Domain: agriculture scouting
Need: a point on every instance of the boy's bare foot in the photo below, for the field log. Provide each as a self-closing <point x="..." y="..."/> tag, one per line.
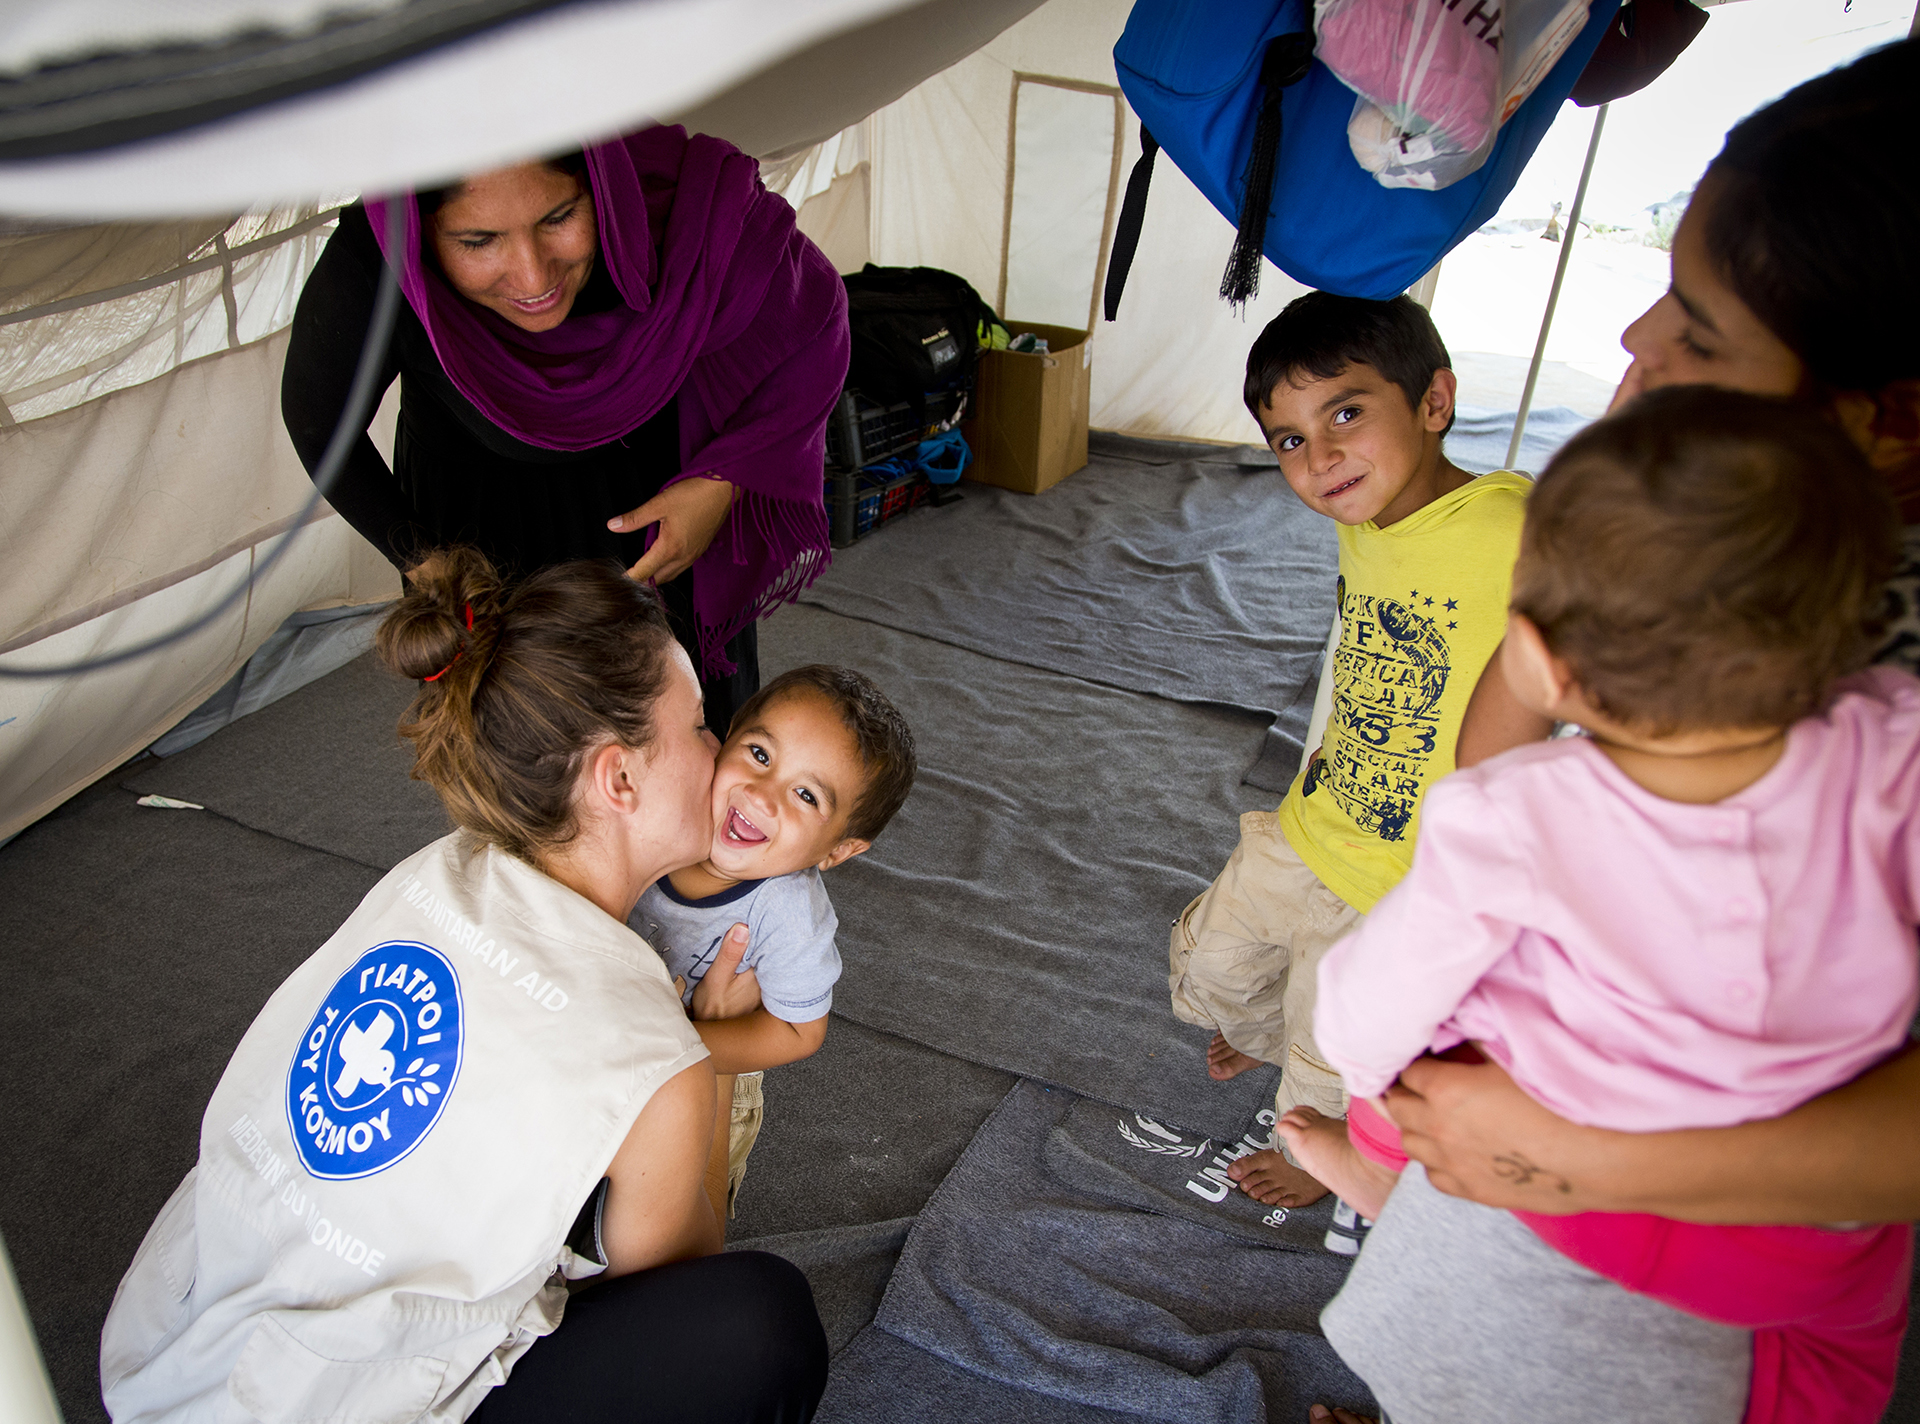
<point x="1321" y="1145"/>
<point x="1272" y="1180"/>
<point x="1224" y="1061"/>
<point x="1320" y="1414"/>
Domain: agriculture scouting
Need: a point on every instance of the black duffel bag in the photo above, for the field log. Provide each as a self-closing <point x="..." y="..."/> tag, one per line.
<point x="915" y="332"/>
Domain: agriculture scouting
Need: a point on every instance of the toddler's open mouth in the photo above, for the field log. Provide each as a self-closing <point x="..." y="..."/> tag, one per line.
<point x="740" y="831"/>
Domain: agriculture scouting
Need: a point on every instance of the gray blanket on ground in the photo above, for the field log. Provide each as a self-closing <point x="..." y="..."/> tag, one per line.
<point x="1186" y="571"/>
<point x="1074" y="1263"/>
<point x="847" y="1266"/>
<point x="1016" y="911"/>
<point x="1015" y="914"/>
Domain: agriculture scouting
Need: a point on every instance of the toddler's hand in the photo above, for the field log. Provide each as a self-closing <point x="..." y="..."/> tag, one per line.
<point x="725" y="992"/>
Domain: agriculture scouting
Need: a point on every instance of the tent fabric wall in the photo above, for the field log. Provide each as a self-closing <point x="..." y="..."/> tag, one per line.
<point x="143" y="465"/>
<point x="120" y="497"/>
<point x="146" y="471"/>
<point x="57" y="737"/>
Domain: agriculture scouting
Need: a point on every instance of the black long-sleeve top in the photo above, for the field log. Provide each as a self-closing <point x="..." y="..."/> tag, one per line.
<point x="457" y="477"/>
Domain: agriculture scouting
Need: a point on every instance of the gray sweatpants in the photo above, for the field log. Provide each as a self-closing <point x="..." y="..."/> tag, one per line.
<point x="1456" y="1313"/>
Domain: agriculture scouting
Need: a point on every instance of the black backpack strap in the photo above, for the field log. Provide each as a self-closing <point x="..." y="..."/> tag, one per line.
<point x="1287" y="61"/>
<point x="1126" y="232"/>
<point x="588" y="1238"/>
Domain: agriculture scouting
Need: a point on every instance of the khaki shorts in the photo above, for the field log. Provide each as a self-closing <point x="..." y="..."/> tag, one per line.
<point x="1245" y="957"/>
<point x="749" y="1112"/>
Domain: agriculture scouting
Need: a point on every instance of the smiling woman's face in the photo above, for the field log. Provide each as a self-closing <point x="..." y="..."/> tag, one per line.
<point x="519" y="241"/>
<point x="677" y="799"/>
<point x="1700" y="333"/>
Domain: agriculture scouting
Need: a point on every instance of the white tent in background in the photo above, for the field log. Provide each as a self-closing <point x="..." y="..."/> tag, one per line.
<point x="168" y="177"/>
<point x="144" y="471"/>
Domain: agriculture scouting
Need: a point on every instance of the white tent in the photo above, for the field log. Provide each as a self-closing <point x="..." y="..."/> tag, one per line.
<point x="160" y="224"/>
<point x="144" y="472"/>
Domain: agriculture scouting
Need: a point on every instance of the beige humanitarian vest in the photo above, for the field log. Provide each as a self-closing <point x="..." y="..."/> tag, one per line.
<point x="389" y="1168"/>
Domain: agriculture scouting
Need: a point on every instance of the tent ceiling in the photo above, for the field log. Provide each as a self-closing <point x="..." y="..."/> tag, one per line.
<point x="319" y="108"/>
<point x="88" y="76"/>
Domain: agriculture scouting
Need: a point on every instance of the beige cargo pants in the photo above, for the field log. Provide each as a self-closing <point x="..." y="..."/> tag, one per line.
<point x="1245" y="957"/>
<point x="743" y="1130"/>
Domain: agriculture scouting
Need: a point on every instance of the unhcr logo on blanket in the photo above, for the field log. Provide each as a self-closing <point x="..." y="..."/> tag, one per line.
<point x="1210" y="1182"/>
<point x="374" y="1070"/>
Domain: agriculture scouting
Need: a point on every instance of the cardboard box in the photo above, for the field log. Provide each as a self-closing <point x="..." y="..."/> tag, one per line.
<point x="1029" y="430"/>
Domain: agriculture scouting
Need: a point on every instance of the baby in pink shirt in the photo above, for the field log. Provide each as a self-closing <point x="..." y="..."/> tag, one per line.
<point x="1701" y="914"/>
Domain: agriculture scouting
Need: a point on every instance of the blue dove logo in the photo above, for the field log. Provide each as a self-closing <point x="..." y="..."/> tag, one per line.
<point x="377" y="1064"/>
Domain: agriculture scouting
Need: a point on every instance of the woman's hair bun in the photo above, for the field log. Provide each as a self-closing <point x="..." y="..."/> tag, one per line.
<point x="451" y="600"/>
<point x="519" y="686"/>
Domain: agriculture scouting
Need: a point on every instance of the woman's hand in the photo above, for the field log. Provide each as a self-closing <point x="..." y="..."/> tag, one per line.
<point x="1852" y="1154"/>
<point x="689" y="513"/>
<point x="726" y="993"/>
<point x="1480" y="1137"/>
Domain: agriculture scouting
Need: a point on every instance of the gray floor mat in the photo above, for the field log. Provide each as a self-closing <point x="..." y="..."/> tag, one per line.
<point x="1016" y="911"/>
<point x="1186" y="571"/>
<point x="881" y="1379"/>
<point x="1016" y="1272"/>
<point x="847" y="1266"/>
<point x="322" y="767"/>
<point x="139" y="945"/>
<point x="863" y="1131"/>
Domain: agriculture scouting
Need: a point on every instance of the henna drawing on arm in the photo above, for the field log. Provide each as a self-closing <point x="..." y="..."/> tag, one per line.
<point x="1515" y="1168"/>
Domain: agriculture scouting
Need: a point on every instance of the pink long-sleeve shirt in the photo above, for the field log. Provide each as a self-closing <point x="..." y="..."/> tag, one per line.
<point x="1642" y="964"/>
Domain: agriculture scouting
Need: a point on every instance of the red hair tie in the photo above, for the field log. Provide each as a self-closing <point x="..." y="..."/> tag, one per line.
<point x="456" y="657"/>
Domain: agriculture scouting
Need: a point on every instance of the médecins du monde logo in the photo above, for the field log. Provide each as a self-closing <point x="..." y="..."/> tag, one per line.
<point x="374" y="1069"/>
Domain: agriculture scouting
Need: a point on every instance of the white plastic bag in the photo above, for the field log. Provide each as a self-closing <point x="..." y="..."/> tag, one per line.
<point x="1437" y="78"/>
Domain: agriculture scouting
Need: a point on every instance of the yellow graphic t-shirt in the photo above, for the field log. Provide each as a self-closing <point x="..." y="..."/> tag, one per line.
<point x="1423" y="604"/>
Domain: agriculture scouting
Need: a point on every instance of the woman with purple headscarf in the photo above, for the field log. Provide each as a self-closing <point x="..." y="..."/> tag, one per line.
<point x="627" y="353"/>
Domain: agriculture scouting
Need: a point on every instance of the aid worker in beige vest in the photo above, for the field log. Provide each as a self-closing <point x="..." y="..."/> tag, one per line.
<point x="455" y="1169"/>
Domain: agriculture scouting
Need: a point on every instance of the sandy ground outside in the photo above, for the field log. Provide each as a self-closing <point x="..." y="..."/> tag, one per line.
<point x="1492" y="291"/>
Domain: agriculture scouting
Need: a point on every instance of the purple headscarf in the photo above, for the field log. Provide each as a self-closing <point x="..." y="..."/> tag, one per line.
<point x="724" y="302"/>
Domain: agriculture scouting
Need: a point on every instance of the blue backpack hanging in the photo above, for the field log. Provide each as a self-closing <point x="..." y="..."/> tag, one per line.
<point x="1200" y="73"/>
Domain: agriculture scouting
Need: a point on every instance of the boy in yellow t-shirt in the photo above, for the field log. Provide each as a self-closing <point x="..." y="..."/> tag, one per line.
<point x="1355" y="398"/>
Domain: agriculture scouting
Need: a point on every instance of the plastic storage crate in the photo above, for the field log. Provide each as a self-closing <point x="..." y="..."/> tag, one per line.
<point x="859" y="502"/>
<point x="859" y="431"/>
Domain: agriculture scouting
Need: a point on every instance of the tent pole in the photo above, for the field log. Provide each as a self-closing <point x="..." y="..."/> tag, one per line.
<point x="1553" y="294"/>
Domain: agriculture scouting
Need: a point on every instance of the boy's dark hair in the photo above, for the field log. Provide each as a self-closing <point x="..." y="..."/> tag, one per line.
<point x="1322" y="335"/>
<point x="1707" y="559"/>
<point x="880" y="733"/>
<point x="1813" y="210"/>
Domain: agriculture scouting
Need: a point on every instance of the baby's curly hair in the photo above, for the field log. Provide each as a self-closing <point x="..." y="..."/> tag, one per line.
<point x="1707" y="559"/>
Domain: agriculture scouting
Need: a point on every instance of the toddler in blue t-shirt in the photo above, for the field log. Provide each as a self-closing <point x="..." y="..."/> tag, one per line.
<point x="815" y="765"/>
